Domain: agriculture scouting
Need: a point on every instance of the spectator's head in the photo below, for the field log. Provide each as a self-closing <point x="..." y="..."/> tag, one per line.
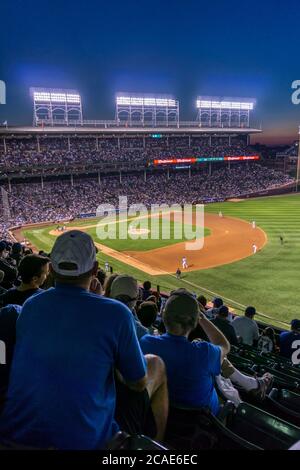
<point x="4" y="249"/>
<point x="217" y="302"/>
<point x="181" y="312"/>
<point x="270" y="333"/>
<point x="101" y="276"/>
<point x="1" y="277"/>
<point x="33" y="270"/>
<point x="295" y="325"/>
<point x="250" y="312"/>
<point x="125" y="289"/>
<point x="16" y="249"/>
<point x="147" y="313"/>
<point x="202" y="301"/>
<point x="108" y="284"/>
<point x="147" y="285"/>
<point x="223" y="311"/>
<point x="73" y="259"/>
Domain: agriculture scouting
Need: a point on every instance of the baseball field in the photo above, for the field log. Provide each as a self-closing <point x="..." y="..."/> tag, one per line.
<point x="225" y="266"/>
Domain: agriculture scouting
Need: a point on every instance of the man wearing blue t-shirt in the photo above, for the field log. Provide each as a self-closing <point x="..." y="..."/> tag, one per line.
<point x="69" y="341"/>
<point x="289" y="341"/>
<point x="191" y="367"/>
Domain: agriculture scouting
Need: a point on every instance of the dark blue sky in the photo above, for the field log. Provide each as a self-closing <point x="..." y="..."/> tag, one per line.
<point x="185" y="48"/>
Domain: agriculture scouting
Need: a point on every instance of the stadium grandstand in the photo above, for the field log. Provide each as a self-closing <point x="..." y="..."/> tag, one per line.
<point x="179" y="369"/>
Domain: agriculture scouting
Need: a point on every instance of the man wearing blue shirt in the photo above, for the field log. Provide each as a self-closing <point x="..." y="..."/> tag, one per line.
<point x="191" y="367"/>
<point x="69" y="341"/>
<point x="289" y="341"/>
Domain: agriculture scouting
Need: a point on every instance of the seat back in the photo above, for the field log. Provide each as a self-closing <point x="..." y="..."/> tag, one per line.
<point x="263" y="429"/>
<point x="196" y="429"/>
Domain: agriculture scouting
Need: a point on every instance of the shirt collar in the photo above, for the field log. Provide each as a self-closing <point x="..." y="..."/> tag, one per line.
<point x="69" y="287"/>
<point x="175" y="337"/>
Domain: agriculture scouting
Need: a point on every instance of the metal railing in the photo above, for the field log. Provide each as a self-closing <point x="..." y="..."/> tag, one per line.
<point x="103" y="124"/>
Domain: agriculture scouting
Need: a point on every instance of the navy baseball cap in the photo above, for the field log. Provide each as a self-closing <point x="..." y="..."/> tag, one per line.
<point x="295" y="324"/>
<point x="223" y="311"/>
<point x="218" y="302"/>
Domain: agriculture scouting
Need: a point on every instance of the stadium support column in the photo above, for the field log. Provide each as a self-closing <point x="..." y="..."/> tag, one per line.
<point x="9" y="185"/>
<point x="99" y="178"/>
<point x="189" y="141"/>
<point x="120" y="176"/>
<point x="4" y="145"/>
<point x="97" y="143"/>
<point x="38" y="143"/>
<point x="190" y="172"/>
<point x="210" y="140"/>
<point x="168" y="174"/>
<point x="72" y="180"/>
<point x="145" y="175"/>
<point x="69" y="143"/>
<point x="42" y="181"/>
<point x="209" y="169"/>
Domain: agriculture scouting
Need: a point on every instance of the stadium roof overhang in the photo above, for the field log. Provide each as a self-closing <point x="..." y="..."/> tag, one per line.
<point x="121" y="131"/>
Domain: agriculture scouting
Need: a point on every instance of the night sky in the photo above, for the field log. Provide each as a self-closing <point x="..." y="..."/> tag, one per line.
<point x="185" y="48"/>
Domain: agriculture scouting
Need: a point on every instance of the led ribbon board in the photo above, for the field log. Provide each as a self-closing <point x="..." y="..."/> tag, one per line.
<point x="176" y="161"/>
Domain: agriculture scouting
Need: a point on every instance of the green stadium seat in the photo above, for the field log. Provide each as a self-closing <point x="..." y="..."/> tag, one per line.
<point x="285" y="404"/>
<point x="195" y="429"/>
<point x="262" y="429"/>
<point x="281" y="380"/>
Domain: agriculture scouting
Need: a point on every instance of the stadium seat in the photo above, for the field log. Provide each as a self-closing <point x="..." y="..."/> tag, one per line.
<point x="281" y="380"/>
<point x="195" y="429"/>
<point x="262" y="429"/>
<point x="285" y="404"/>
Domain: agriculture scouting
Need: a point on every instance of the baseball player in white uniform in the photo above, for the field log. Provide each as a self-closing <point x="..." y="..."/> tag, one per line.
<point x="184" y="263"/>
<point x="253" y="224"/>
<point x="254" y="248"/>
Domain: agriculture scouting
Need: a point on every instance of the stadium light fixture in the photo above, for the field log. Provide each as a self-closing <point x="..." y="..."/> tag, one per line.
<point x="51" y="104"/>
<point x="145" y="101"/>
<point x="214" y="103"/>
<point x="56" y="96"/>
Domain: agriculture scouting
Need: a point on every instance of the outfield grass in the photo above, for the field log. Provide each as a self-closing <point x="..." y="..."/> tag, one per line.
<point x="269" y="280"/>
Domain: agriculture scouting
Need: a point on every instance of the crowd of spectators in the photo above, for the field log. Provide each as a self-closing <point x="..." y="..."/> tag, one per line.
<point x="62" y="317"/>
<point x="30" y="202"/>
<point x="26" y="154"/>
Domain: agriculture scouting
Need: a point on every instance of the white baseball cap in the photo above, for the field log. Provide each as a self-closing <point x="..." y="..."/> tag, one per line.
<point x="74" y="247"/>
<point x="124" y="285"/>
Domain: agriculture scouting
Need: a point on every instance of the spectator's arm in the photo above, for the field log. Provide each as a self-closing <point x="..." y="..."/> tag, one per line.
<point x="137" y="386"/>
<point x="130" y="361"/>
<point x="215" y="336"/>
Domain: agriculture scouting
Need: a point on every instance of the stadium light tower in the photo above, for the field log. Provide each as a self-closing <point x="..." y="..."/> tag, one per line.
<point x="56" y="107"/>
<point x="224" y="112"/>
<point x="152" y="110"/>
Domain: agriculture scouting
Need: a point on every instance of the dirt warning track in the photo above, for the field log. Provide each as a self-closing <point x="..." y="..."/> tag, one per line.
<point x="230" y="240"/>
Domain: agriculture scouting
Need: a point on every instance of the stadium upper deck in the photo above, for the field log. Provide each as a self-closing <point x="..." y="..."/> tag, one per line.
<point x="110" y="128"/>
